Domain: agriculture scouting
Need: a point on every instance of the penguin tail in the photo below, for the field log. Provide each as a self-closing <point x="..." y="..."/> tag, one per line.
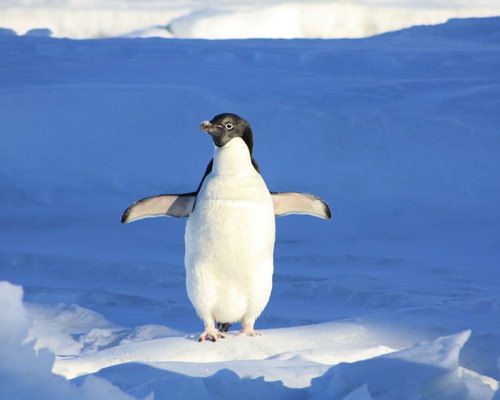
<point x="223" y="326"/>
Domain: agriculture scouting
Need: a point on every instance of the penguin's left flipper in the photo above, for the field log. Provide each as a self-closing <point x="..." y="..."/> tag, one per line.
<point x="171" y="205"/>
<point x="286" y="203"/>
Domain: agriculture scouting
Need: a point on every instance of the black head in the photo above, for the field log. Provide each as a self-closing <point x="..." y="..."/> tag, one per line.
<point x="224" y="127"/>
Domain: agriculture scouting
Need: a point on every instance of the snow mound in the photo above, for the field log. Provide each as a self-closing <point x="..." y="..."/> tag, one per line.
<point x="74" y="330"/>
<point x="25" y="374"/>
<point x="331" y="360"/>
<point x="233" y="19"/>
<point x="317" y="19"/>
<point x="85" y="22"/>
<point x="426" y="371"/>
<point x="304" y="360"/>
<point x="309" y="346"/>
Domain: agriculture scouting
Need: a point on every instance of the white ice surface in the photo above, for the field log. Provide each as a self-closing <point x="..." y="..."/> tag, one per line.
<point x="233" y="19"/>
<point x="319" y="361"/>
<point x="399" y="133"/>
<point x="26" y="374"/>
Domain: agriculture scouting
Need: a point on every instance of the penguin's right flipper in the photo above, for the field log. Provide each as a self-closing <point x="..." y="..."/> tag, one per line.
<point x="287" y="203"/>
<point x="170" y="205"/>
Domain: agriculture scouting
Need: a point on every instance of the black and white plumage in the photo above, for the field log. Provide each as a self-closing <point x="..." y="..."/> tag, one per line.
<point x="230" y="231"/>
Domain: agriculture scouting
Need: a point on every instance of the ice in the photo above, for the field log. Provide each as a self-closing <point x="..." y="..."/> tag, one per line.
<point x="396" y="297"/>
<point x="425" y="371"/>
<point x="26" y="374"/>
<point x="233" y="19"/>
<point x="315" y="19"/>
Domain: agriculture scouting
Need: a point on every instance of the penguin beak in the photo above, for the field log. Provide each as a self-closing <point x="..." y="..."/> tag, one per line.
<point x="205" y="126"/>
<point x="219" y="136"/>
<point x="208" y="127"/>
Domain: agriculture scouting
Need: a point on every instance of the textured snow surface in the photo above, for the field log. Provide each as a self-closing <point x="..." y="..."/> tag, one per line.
<point x="397" y="297"/>
<point x="232" y="19"/>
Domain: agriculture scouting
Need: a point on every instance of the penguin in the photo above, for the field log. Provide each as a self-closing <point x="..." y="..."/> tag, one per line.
<point x="230" y="230"/>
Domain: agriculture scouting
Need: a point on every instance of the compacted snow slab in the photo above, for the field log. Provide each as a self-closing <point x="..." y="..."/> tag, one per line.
<point x="327" y="361"/>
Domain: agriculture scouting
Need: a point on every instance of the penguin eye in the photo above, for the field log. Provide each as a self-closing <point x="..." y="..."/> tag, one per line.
<point x="229" y="126"/>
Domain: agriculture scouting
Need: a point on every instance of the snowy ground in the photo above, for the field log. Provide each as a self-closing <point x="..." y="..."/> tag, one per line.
<point x="224" y="19"/>
<point x="398" y="297"/>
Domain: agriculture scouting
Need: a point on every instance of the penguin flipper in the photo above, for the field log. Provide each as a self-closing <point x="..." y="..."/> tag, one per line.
<point x="287" y="203"/>
<point x="170" y="205"/>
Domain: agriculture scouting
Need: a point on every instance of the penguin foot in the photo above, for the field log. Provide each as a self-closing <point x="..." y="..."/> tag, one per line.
<point x="248" y="330"/>
<point x="210" y="335"/>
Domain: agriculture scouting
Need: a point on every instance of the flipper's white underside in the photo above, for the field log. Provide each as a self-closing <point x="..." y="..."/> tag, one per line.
<point x="171" y="205"/>
<point x="181" y="205"/>
<point x="287" y="203"/>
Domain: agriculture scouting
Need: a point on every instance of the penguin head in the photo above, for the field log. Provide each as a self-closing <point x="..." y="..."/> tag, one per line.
<point x="225" y="127"/>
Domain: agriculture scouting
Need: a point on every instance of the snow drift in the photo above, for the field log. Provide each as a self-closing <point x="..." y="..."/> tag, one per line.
<point x="291" y="358"/>
<point x="316" y="19"/>
<point x="25" y="374"/>
<point x="233" y="19"/>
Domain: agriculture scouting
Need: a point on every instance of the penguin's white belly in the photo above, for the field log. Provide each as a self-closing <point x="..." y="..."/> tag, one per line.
<point x="229" y="248"/>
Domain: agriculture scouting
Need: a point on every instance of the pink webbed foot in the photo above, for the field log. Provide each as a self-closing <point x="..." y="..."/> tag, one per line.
<point x="248" y="330"/>
<point x="250" y="333"/>
<point x="210" y="335"/>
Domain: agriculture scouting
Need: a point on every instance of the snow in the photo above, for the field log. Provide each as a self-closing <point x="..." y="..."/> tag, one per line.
<point x="396" y="297"/>
<point x="25" y="374"/>
<point x="233" y="19"/>
<point x="315" y="19"/>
